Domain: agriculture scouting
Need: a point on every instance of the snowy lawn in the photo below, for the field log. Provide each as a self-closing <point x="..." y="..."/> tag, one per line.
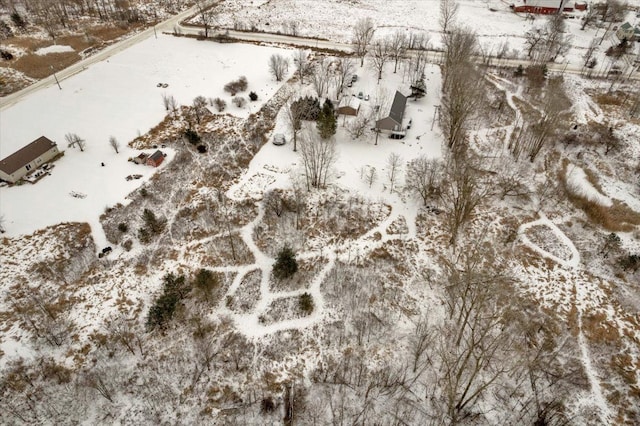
<point x="117" y="98"/>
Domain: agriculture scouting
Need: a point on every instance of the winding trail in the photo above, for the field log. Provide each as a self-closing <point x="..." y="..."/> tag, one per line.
<point x="251" y="323"/>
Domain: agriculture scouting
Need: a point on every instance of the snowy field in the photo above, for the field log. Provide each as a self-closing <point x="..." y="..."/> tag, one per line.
<point x="117" y="98"/>
<point x="492" y="20"/>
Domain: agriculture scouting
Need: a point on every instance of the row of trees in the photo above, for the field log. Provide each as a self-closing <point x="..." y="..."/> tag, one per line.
<point x="57" y="15"/>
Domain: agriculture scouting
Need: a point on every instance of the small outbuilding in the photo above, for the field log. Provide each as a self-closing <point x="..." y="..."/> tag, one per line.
<point x="580" y="6"/>
<point x="155" y="159"/>
<point x="349" y="105"/>
<point x="25" y="160"/>
<point x="141" y="159"/>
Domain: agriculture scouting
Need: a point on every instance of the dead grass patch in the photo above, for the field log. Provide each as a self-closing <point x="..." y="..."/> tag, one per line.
<point x="247" y="294"/>
<point x="39" y="66"/>
<point x="307" y="270"/>
<point x="283" y="309"/>
<point x="606" y="99"/>
<point x="617" y="218"/>
<point x="597" y="329"/>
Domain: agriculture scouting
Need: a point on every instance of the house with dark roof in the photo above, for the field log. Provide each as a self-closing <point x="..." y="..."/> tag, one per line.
<point x="155" y="159"/>
<point x="22" y="162"/>
<point x="393" y="122"/>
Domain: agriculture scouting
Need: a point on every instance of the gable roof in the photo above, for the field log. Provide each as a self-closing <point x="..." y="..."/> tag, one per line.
<point x="625" y="26"/>
<point x="349" y="101"/>
<point x="25" y="155"/>
<point x="156" y="156"/>
<point x="547" y="3"/>
<point x="397" y="108"/>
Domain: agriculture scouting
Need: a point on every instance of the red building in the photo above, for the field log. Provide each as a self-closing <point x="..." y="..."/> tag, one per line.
<point x="155" y="159"/>
<point x="543" y="7"/>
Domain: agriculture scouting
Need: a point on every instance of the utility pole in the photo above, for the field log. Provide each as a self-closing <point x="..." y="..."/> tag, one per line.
<point x="436" y="110"/>
<point x="55" y="77"/>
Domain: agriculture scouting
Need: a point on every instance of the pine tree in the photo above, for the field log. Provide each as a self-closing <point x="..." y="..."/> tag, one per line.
<point x="286" y="264"/>
<point x="327" y="123"/>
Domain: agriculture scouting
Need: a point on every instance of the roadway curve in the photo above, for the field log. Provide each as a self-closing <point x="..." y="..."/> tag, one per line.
<point x="107" y="52"/>
<point x="176" y="21"/>
<point x="433" y="55"/>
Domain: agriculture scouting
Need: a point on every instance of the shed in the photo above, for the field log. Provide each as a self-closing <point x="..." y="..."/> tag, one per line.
<point x="393" y="122"/>
<point x="155" y="159"/>
<point x="141" y="159"/>
<point x="28" y="158"/>
<point x="580" y="6"/>
<point x="349" y="105"/>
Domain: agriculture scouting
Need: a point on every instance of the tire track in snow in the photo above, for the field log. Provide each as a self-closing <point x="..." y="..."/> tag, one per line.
<point x="572" y="262"/>
<point x="596" y="397"/>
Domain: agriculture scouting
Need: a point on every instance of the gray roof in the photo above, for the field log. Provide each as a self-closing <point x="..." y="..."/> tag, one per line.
<point x="25" y="155"/>
<point x="397" y="108"/>
<point x="156" y="155"/>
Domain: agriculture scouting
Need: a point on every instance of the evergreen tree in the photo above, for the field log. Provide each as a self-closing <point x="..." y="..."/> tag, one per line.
<point x="327" y="123"/>
<point x="286" y="264"/>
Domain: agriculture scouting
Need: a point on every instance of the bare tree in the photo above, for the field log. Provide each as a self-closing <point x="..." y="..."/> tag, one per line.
<point x="200" y="107"/>
<point x="359" y="126"/>
<point x="379" y="57"/>
<point x="394" y="164"/>
<point x="460" y="100"/>
<point x="301" y="61"/>
<point x="320" y="75"/>
<point x="318" y="156"/>
<point x="278" y="66"/>
<point x="371" y="176"/>
<point x="557" y="42"/>
<point x="462" y="191"/>
<point x="273" y="201"/>
<point x="74" y="140"/>
<point x="362" y="34"/>
<point x="590" y="17"/>
<point x="460" y="45"/>
<point x="344" y="70"/>
<point x="97" y="379"/>
<point x="421" y="341"/>
<point x="424" y="177"/>
<point x="206" y="14"/>
<point x="534" y="42"/>
<point x="448" y="14"/>
<point x="173" y="105"/>
<point x="588" y="55"/>
<point x="397" y="46"/>
<point x="418" y="41"/>
<point x="613" y="11"/>
<point x="113" y="142"/>
<point x="166" y="101"/>
<point x="474" y="341"/>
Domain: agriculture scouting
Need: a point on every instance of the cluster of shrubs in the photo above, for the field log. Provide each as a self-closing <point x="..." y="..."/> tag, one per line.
<point x="220" y="104"/>
<point x="236" y="86"/>
<point x="152" y="226"/>
<point x="175" y="289"/>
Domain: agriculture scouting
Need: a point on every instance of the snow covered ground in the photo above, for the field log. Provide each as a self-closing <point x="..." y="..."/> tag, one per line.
<point x="117" y="98"/>
<point x="492" y="20"/>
